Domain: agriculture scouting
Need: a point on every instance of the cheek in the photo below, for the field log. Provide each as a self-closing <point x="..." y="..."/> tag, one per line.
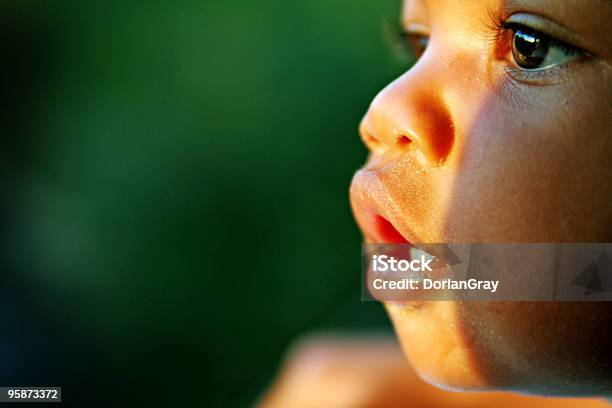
<point x="529" y="171"/>
<point x="509" y="355"/>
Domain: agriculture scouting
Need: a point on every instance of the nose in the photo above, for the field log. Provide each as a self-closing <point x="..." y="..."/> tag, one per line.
<point x="410" y="114"/>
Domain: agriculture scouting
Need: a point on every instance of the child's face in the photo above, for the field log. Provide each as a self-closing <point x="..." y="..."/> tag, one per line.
<point x="501" y="132"/>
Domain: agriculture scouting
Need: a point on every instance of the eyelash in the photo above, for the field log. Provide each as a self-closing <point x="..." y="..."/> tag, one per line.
<point x="402" y="42"/>
<point x="503" y="29"/>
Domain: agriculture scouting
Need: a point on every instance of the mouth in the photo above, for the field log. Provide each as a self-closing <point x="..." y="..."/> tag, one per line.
<point x="383" y="218"/>
<point x="387" y="232"/>
<point x="377" y="213"/>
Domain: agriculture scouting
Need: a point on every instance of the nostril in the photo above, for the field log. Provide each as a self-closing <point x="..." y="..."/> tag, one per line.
<point x="403" y="141"/>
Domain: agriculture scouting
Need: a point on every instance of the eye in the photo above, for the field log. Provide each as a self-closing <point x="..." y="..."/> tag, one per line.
<point x="410" y="44"/>
<point x="417" y="42"/>
<point x="533" y="50"/>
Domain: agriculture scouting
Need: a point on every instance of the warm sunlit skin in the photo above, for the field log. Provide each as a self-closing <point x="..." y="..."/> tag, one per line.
<point x="368" y="371"/>
<point x="467" y="146"/>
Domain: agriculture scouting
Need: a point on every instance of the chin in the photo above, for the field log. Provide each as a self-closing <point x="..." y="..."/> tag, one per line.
<point x="436" y="345"/>
<point x="514" y="346"/>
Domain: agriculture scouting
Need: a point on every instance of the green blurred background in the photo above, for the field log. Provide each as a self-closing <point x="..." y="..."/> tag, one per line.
<point x="175" y="207"/>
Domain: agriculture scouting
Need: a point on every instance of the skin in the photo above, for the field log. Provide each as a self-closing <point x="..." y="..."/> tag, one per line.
<point x="465" y="147"/>
<point x="356" y="371"/>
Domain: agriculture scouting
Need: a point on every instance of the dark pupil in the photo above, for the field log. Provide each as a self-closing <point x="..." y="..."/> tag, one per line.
<point x="529" y="48"/>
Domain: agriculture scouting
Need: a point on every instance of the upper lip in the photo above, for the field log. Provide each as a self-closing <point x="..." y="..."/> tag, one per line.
<point x="377" y="211"/>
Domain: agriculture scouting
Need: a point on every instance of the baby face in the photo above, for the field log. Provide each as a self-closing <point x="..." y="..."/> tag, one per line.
<point x="501" y="132"/>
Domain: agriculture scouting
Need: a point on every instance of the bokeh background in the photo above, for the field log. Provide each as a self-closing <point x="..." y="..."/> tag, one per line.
<point x="174" y="190"/>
